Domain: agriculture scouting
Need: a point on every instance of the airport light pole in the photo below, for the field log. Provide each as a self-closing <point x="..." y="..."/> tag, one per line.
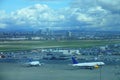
<point x="100" y="72"/>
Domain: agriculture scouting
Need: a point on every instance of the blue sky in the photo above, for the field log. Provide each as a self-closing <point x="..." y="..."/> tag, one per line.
<point x="12" y="5"/>
<point x="60" y="14"/>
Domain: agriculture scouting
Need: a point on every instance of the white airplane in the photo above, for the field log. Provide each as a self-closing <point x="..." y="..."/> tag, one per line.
<point x="33" y="63"/>
<point x="87" y="65"/>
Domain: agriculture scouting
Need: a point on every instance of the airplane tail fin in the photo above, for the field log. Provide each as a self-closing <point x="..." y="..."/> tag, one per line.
<point x="74" y="60"/>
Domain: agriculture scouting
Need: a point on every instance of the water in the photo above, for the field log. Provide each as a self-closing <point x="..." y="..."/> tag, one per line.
<point x="55" y="71"/>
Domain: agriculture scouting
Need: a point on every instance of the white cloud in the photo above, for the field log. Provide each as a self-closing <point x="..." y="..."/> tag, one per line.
<point x="97" y="9"/>
<point x="83" y="17"/>
<point x="92" y="15"/>
<point x="2" y="25"/>
<point x="36" y="16"/>
<point x="111" y="5"/>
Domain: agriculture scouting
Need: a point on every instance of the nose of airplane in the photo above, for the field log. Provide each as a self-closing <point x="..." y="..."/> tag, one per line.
<point x="96" y="66"/>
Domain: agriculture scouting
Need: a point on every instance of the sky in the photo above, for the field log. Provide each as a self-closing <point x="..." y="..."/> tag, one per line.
<point x="60" y="14"/>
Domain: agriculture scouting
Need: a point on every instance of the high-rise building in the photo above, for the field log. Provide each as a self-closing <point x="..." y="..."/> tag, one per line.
<point x="69" y="34"/>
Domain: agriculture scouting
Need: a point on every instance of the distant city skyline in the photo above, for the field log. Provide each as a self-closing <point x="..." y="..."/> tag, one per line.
<point x="103" y="15"/>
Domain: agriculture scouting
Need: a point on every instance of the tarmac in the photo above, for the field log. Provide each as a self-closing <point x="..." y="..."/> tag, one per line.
<point x="56" y="71"/>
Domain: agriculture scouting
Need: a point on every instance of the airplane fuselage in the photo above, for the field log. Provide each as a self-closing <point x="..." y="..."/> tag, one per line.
<point x="89" y="65"/>
<point x="34" y="63"/>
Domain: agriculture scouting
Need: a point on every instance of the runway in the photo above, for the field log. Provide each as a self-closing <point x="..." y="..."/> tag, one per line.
<point x="54" y="71"/>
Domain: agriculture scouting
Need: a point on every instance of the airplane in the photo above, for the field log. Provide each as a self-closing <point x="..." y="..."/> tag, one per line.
<point x="33" y="63"/>
<point x="87" y="65"/>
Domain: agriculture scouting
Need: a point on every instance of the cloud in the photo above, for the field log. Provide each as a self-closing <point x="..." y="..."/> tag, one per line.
<point x="103" y="14"/>
<point x="3" y="18"/>
<point x="37" y="16"/>
<point x="90" y="14"/>
<point x="2" y="25"/>
<point x="110" y="5"/>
